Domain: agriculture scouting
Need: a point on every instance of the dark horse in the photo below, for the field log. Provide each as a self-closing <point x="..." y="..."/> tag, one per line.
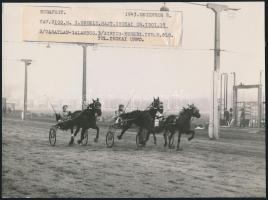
<point x="67" y="126"/>
<point x="143" y="119"/>
<point x="180" y="123"/>
<point x="83" y="119"/>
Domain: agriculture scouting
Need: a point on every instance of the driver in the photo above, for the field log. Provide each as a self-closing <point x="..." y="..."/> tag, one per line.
<point x="64" y="114"/>
<point x="118" y="113"/>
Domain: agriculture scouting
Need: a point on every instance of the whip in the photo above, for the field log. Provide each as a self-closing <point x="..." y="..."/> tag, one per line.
<point x="51" y="104"/>
<point x="129" y="101"/>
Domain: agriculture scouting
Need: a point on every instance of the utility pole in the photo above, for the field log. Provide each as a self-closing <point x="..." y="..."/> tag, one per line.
<point x="225" y="85"/>
<point x="27" y="62"/>
<point x="164" y="8"/>
<point x="84" y="80"/>
<point x="260" y="100"/>
<point x="214" y="108"/>
<point x="234" y="82"/>
<point x="261" y="76"/>
<point x="84" y="76"/>
<point x="84" y="84"/>
<point x="226" y="91"/>
<point x="234" y="74"/>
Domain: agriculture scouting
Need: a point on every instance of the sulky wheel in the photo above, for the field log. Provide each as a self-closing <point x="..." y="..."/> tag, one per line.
<point x="110" y="139"/>
<point x="52" y="136"/>
<point x="85" y="139"/>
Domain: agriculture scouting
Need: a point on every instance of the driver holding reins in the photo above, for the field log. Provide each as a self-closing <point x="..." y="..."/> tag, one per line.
<point x="118" y="112"/>
<point x="64" y="114"/>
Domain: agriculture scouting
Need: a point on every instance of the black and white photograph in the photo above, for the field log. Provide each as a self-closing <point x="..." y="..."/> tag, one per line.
<point x="133" y="100"/>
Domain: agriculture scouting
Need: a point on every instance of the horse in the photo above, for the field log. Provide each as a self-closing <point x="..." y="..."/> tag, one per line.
<point x="143" y="119"/>
<point x="66" y="127"/>
<point x="84" y="119"/>
<point x="180" y="123"/>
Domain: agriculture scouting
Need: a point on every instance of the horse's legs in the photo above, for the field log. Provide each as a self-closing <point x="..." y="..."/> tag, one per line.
<point x="179" y="139"/>
<point x="192" y="136"/>
<point x="148" y="136"/>
<point x="172" y="132"/>
<point x="139" y="132"/>
<point x="154" y="137"/>
<point x="165" y="137"/>
<point x="97" y="135"/>
<point x="77" y="130"/>
<point x="82" y="135"/>
<point x="73" y="135"/>
<point x="127" y="126"/>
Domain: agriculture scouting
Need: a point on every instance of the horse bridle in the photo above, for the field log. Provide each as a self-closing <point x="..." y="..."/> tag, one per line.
<point x="98" y="107"/>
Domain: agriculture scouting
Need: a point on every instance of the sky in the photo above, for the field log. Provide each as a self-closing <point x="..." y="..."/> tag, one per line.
<point x="119" y="72"/>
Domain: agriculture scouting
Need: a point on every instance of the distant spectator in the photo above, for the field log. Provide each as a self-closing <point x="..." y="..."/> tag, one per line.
<point x="9" y="110"/>
<point x="226" y="116"/>
<point x="4" y="109"/>
<point x="242" y="118"/>
<point x="230" y="115"/>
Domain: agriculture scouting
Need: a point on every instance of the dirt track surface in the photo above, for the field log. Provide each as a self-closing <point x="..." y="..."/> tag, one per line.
<point x="233" y="166"/>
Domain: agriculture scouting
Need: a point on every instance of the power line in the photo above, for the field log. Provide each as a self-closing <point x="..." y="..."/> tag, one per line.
<point x="15" y="60"/>
<point x="199" y="4"/>
<point x="10" y="59"/>
<point x="126" y="47"/>
<point x="108" y="46"/>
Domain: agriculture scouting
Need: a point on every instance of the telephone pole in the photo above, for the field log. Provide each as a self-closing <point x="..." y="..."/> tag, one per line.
<point x="27" y="62"/>
<point x="84" y="80"/>
<point x="234" y="82"/>
<point x="84" y="84"/>
<point x="213" y="130"/>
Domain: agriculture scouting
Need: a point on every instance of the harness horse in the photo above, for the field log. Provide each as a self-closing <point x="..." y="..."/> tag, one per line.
<point x="84" y="120"/>
<point x="144" y="120"/>
<point x="180" y="123"/>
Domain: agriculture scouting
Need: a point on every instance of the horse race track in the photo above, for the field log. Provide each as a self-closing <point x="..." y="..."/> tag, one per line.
<point x="233" y="166"/>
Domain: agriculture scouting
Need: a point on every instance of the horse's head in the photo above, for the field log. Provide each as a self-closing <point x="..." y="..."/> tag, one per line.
<point x="157" y="105"/>
<point x="95" y="106"/>
<point x="194" y="111"/>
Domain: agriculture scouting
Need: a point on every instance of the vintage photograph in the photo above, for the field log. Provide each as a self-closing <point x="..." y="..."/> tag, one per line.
<point x="133" y="100"/>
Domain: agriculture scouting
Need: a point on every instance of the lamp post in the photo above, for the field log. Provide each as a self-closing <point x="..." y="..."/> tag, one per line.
<point x="214" y="108"/>
<point x="224" y="92"/>
<point x="234" y="74"/>
<point x="260" y="100"/>
<point x="84" y="80"/>
<point x="27" y="62"/>
<point x="164" y="8"/>
<point x="234" y="82"/>
<point x="260" y="76"/>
